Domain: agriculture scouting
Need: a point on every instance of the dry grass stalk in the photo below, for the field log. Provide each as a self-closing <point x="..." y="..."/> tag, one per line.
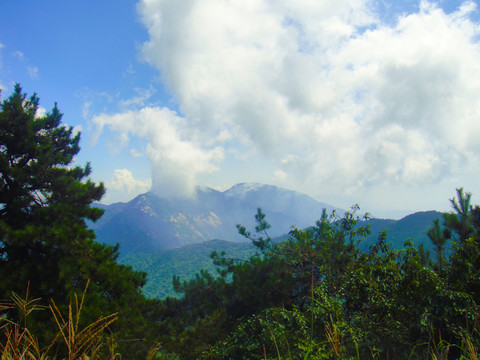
<point x="152" y="352"/>
<point x="334" y="338"/>
<point x="19" y="343"/>
<point x="79" y="342"/>
<point x="469" y="350"/>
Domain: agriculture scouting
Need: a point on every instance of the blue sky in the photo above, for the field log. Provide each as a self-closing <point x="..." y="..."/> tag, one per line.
<point x="369" y="102"/>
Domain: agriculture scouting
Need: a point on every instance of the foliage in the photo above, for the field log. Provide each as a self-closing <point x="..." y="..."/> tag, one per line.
<point x="187" y="260"/>
<point x="45" y="244"/>
<point x="317" y="296"/>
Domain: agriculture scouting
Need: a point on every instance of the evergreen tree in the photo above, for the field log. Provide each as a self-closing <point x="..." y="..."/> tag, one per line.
<point x="465" y="228"/>
<point x="460" y="220"/>
<point x="45" y="243"/>
<point x="43" y="200"/>
<point x="439" y="237"/>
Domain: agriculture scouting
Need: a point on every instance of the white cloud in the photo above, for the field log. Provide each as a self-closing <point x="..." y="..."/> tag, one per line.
<point x="124" y="181"/>
<point x="90" y="97"/>
<point x="140" y="99"/>
<point x="175" y="156"/>
<point x="326" y="91"/>
<point x="86" y="109"/>
<point x="78" y="129"/>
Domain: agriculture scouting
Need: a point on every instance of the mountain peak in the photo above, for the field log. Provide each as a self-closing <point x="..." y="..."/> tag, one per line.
<point x="241" y="189"/>
<point x="151" y="222"/>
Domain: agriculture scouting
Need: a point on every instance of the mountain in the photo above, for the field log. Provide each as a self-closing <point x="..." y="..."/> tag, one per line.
<point x="150" y="223"/>
<point x="186" y="261"/>
<point x="413" y="226"/>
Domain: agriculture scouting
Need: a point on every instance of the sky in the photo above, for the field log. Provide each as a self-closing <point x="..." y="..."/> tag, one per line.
<point x="375" y="103"/>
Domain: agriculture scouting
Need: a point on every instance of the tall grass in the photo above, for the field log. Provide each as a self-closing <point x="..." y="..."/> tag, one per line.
<point x="80" y="343"/>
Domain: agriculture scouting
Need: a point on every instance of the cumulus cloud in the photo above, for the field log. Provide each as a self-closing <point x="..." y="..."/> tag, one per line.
<point x="124" y="181"/>
<point x="175" y="156"/>
<point x="327" y="91"/>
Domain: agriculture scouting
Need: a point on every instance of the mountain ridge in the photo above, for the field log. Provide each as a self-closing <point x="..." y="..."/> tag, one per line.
<point x="148" y="222"/>
<point x="187" y="260"/>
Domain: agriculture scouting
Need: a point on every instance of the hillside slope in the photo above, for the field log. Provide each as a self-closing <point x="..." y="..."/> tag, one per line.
<point x="186" y="261"/>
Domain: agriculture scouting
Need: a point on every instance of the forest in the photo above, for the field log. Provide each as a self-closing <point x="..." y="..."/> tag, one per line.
<point x="316" y="295"/>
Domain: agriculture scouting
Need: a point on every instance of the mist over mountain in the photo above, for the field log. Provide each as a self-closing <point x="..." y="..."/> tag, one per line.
<point x="149" y="222"/>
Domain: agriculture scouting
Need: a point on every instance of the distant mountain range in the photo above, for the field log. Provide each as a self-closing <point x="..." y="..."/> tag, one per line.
<point x="189" y="259"/>
<point x="167" y="237"/>
<point x="149" y="222"/>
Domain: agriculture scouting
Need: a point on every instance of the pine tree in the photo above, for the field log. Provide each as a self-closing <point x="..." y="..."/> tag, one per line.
<point x="44" y="201"/>
<point x="439" y="237"/>
<point x="45" y="243"/>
